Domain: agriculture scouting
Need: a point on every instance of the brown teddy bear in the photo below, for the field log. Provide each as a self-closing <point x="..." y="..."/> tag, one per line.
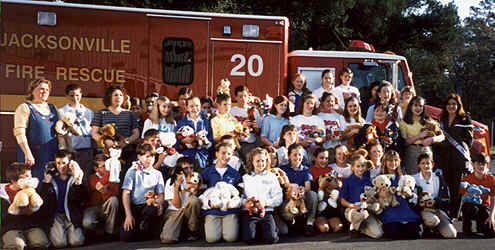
<point x="281" y="176"/>
<point x="295" y="195"/>
<point x="150" y="198"/>
<point x="328" y="190"/>
<point x="64" y="128"/>
<point x="386" y="193"/>
<point x="26" y="197"/>
<point x="108" y="132"/>
<point x="432" y="127"/>
<point x="254" y="207"/>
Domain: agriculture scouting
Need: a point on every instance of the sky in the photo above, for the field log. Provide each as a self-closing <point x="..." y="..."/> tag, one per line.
<point x="463" y="6"/>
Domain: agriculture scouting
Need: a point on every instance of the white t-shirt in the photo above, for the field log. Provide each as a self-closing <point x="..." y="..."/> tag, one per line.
<point x="319" y="93"/>
<point x="349" y="90"/>
<point x="221" y="171"/>
<point x="333" y="127"/>
<point x="241" y="114"/>
<point x="342" y="172"/>
<point x="169" y="195"/>
<point x="306" y="124"/>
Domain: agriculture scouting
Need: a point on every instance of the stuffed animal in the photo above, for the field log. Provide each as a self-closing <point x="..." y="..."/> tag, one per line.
<point x="108" y="132"/>
<point x="186" y="132"/>
<point x="356" y="216"/>
<point x="254" y="207"/>
<point x="432" y="127"/>
<point x="224" y="87"/>
<point x="202" y="138"/>
<point x="113" y="165"/>
<point x="369" y="200"/>
<point x="223" y="196"/>
<point x="167" y="141"/>
<point x="328" y="190"/>
<point x="405" y="187"/>
<point x="26" y="197"/>
<point x="318" y="134"/>
<point x="474" y="193"/>
<point x="64" y="128"/>
<point x="149" y="211"/>
<point x="150" y="198"/>
<point x="192" y="183"/>
<point x="386" y="193"/>
<point x="295" y="195"/>
<point x="350" y="141"/>
<point x="427" y="202"/>
<point x="281" y="176"/>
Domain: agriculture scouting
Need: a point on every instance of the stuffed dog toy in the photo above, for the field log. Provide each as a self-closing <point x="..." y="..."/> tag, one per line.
<point x="295" y="195"/>
<point x="186" y="132"/>
<point x="281" y="176"/>
<point x="64" y="128"/>
<point x="328" y="190"/>
<point x="192" y="183"/>
<point x="223" y="196"/>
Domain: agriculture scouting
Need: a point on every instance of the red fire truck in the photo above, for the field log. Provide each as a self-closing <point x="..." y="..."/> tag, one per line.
<point x="149" y="50"/>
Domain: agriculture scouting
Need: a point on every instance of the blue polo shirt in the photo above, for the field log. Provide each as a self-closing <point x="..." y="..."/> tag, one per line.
<point x="272" y="126"/>
<point x="353" y="186"/>
<point x="299" y="176"/>
<point x="140" y="181"/>
<point x="211" y="176"/>
<point x="402" y="213"/>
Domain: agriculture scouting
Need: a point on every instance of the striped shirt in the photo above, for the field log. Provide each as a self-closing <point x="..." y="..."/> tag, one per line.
<point x="125" y="122"/>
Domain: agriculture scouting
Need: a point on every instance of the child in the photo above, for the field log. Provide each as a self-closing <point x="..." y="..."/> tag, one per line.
<point x="208" y="110"/>
<point x="398" y="222"/>
<point x="417" y="142"/>
<point x="139" y="179"/>
<point x="344" y="91"/>
<point x="320" y="156"/>
<point x="483" y="213"/>
<point x="406" y="94"/>
<point x="434" y="185"/>
<point x="288" y="136"/>
<point x="301" y="175"/>
<point x="327" y="85"/>
<point x="375" y="150"/>
<point x="223" y="123"/>
<point x="103" y="202"/>
<point x="371" y="97"/>
<point x="235" y="160"/>
<point x="161" y="117"/>
<point x="352" y="120"/>
<point x="221" y="224"/>
<point x="80" y="144"/>
<point x="70" y="195"/>
<point x="332" y="120"/>
<point x="182" y="206"/>
<point x="387" y="130"/>
<point x="184" y="94"/>
<point x="387" y="96"/>
<point x="24" y="230"/>
<point x="298" y="91"/>
<point x="264" y="187"/>
<point x="307" y="122"/>
<point x="194" y="120"/>
<point x="341" y="166"/>
<point x="248" y="116"/>
<point x="350" y="192"/>
<point x="273" y="123"/>
<point x="272" y="152"/>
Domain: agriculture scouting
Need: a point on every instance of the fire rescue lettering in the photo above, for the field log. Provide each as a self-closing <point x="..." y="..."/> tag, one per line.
<point x="64" y="73"/>
<point x="87" y="44"/>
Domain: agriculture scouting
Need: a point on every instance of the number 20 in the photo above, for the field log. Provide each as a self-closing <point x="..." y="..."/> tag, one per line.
<point x="242" y="61"/>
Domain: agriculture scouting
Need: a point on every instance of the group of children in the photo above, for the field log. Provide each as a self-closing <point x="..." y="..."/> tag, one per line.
<point x="307" y="136"/>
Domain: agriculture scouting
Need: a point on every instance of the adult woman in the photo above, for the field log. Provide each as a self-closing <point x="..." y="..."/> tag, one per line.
<point x="34" y="128"/>
<point x="453" y="153"/>
<point x="125" y="121"/>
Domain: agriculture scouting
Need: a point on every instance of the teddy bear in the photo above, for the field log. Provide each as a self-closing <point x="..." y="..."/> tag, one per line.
<point x="254" y="207"/>
<point x="350" y="142"/>
<point x="224" y="87"/>
<point x="26" y="197"/>
<point x="317" y="134"/>
<point x="186" y="132"/>
<point x="76" y="172"/>
<point x="427" y="202"/>
<point x="108" y="132"/>
<point x="474" y="192"/>
<point x="167" y="141"/>
<point x="295" y="195"/>
<point x="64" y="128"/>
<point x="432" y="127"/>
<point x="192" y="183"/>
<point x="328" y="187"/>
<point x="113" y="165"/>
<point x="369" y="200"/>
<point x="281" y="176"/>
<point x="223" y="196"/>
<point x="405" y="187"/>
<point x="150" y="210"/>
<point x="386" y="193"/>
<point x="202" y="138"/>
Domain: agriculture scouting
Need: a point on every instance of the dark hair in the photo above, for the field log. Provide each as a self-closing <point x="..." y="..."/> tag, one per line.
<point x="372" y="144"/>
<point x="185" y="160"/>
<point x="15" y="170"/>
<point x="192" y="98"/>
<point x="250" y="158"/>
<point x="381" y="106"/>
<point x="277" y="100"/>
<point x="325" y="95"/>
<point x="347" y="115"/>
<point x="222" y="97"/>
<point x="303" y="100"/>
<point x="318" y="150"/>
<point x="326" y="71"/>
<point x="179" y="167"/>
<point x="62" y="153"/>
<point x="135" y="101"/>
<point x="444" y="115"/>
<point x="151" y="133"/>
<point x="272" y="150"/>
<point x="99" y="157"/>
<point x="221" y="145"/>
<point x="227" y="137"/>
<point x="144" y="148"/>
<point x="305" y="89"/>
<point x="480" y="157"/>
<point x="72" y="87"/>
<point x="408" y="117"/>
<point x="185" y="91"/>
<point x="423" y="156"/>
<point x="369" y="91"/>
<point x="293" y="147"/>
<point x="206" y="99"/>
<point x="285" y="129"/>
<point x="345" y="70"/>
<point x="107" y="98"/>
<point x="152" y="95"/>
<point x="240" y="88"/>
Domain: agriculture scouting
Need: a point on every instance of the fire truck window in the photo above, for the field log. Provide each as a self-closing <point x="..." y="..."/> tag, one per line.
<point x="365" y="75"/>
<point x="178" y="61"/>
<point x="401" y="82"/>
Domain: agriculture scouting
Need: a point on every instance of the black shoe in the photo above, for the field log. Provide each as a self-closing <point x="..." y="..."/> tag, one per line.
<point x="309" y="230"/>
<point x="354" y="234"/>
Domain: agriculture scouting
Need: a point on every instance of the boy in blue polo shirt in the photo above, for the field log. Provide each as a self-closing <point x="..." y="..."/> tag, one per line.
<point x="300" y="175"/>
<point x="139" y="179"/>
<point x="221" y="224"/>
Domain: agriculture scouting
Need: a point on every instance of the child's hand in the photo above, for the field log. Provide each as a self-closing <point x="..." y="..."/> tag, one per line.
<point x="427" y="142"/>
<point x="356" y="206"/>
<point x="128" y="223"/>
<point x="48" y="178"/>
<point x="423" y="134"/>
<point x="490" y="222"/>
<point x="179" y="180"/>
<point x="98" y="186"/>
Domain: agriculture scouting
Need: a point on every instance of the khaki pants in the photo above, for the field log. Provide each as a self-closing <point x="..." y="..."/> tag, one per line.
<point x="63" y="231"/>
<point x="174" y="218"/>
<point x="107" y="211"/>
<point x="440" y="220"/>
<point x="370" y="227"/>
<point x="218" y="227"/>
<point x="33" y="238"/>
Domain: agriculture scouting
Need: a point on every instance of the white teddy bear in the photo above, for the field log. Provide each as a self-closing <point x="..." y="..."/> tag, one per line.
<point x="113" y="165"/>
<point x="405" y="187"/>
<point x="223" y="196"/>
<point x="168" y="140"/>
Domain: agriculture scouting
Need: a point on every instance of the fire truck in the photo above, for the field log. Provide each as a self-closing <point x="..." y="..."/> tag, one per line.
<point x="150" y="50"/>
